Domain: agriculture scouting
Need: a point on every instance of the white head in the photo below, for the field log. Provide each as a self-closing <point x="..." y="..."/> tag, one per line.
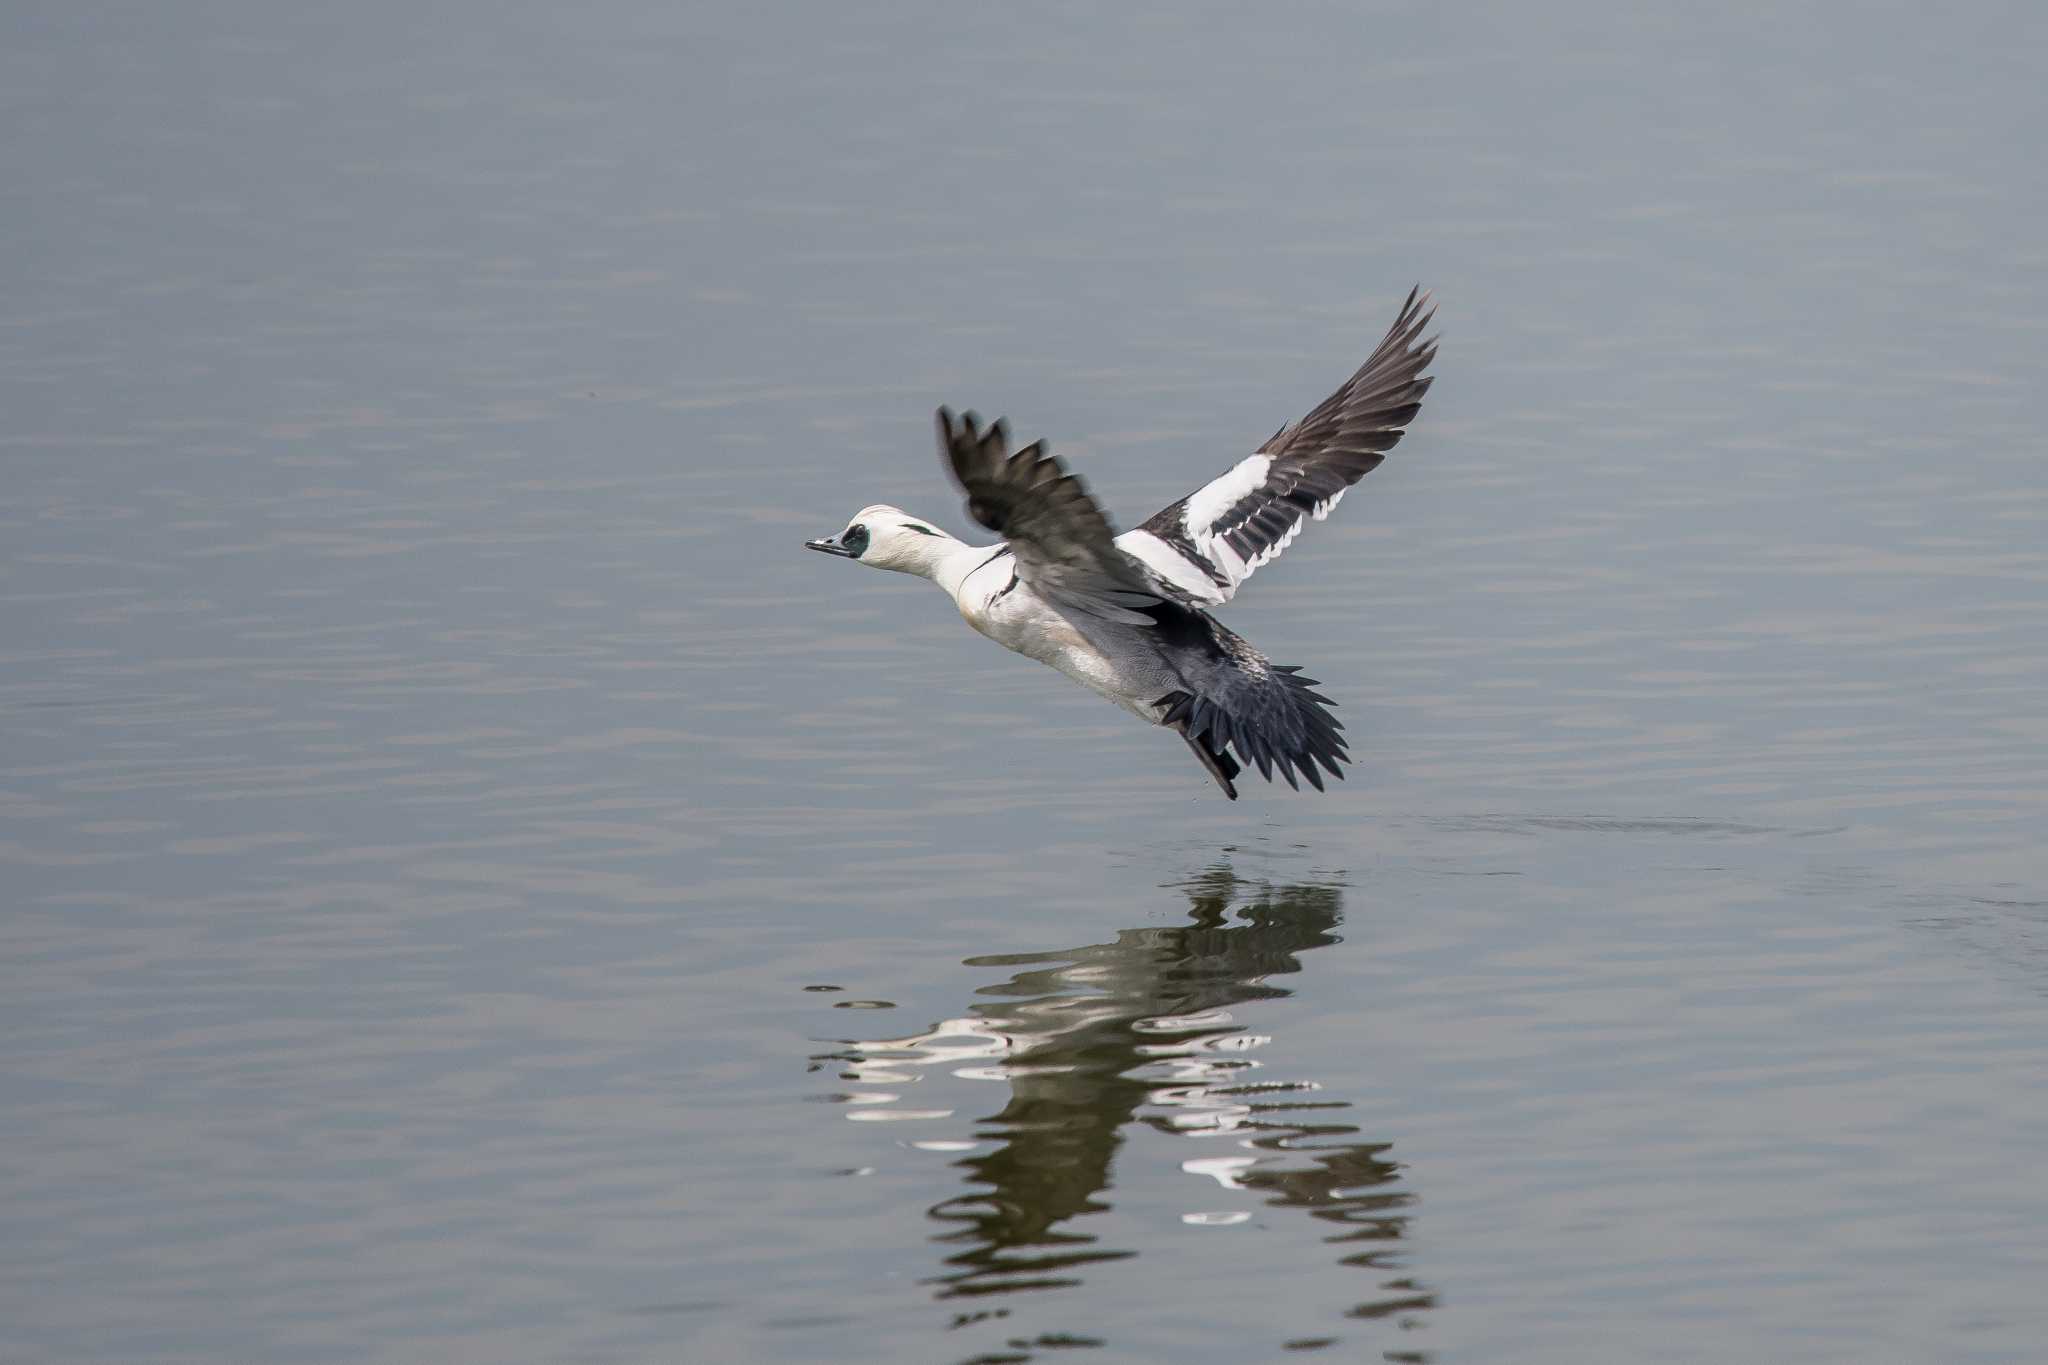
<point x="885" y="537"/>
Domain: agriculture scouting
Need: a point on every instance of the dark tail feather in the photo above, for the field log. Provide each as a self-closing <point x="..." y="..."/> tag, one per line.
<point x="1278" y="722"/>
<point x="1188" y="717"/>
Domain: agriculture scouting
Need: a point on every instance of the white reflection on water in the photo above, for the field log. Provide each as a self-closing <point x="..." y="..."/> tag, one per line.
<point x="1095" y="1040"/>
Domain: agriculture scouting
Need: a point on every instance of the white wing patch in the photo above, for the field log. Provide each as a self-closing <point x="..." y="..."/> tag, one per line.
<point x="1172" y="566"/>
<point x="1218" y="550"/>
<point x="1209" y="502"/>
<point x="1203" y="529"/>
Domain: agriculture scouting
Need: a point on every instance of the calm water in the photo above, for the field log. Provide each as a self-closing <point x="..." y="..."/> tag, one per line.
<point x="475" y="890"/>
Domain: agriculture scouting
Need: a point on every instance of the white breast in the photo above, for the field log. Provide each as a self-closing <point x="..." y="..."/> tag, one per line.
<point x="1006" y="610"/>
<point x="999" y="605"/>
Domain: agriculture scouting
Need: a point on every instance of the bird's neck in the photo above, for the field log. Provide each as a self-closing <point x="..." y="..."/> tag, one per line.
<point x="951" y="561"/>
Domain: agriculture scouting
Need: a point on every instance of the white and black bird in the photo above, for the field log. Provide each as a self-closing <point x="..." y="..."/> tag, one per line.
<point x="1126" y="615"/>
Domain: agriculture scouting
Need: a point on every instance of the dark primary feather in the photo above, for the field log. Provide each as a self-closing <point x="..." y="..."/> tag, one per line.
<point x="1365" y="416"/>
<point x="1317" y="458"/>
<point x="1065" y="546"/>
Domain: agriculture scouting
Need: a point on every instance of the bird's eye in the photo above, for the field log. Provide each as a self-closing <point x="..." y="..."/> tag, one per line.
<point x="855" y="540"/>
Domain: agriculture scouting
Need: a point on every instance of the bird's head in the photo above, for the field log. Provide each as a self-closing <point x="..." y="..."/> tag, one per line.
<point x="885" y="537"/>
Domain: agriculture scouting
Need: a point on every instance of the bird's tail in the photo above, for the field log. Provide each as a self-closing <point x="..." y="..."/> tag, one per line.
<point x="1210" y="750"/>
<point x="1268" y="712"/>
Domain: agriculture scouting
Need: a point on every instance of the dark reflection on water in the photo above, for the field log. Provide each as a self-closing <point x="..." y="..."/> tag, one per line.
<point x="1139" y="1031"/>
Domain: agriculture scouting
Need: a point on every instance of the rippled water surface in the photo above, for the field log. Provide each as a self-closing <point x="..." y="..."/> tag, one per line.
<point x="475" y="890"/>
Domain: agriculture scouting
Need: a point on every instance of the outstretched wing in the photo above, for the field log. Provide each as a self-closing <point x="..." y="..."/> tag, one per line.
<point x="1065" y="547"/>
<point x="1219" y="535"/>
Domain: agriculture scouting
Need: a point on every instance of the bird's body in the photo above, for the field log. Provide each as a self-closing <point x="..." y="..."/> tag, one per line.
<point x="1126" y="615"/>
<point x="996" y="601"/>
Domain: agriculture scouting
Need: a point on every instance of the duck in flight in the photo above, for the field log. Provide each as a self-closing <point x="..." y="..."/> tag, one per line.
<point x="1127" y="615"/>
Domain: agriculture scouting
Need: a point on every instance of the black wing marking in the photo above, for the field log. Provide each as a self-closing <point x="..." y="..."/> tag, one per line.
<point x="1243" y="519"/>
<point x="1065" y="547"/>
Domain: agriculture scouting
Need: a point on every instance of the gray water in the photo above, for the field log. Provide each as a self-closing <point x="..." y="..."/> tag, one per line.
<point x="475" y="890"/>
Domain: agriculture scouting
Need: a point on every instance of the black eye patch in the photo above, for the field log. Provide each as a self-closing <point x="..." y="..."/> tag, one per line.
<point x="855" y="540"/>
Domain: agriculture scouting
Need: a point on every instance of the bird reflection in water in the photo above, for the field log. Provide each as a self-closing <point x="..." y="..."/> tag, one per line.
<point x="1139" y="1030"/>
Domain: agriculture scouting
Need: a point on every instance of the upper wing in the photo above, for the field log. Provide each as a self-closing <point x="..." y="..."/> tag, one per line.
<point x="1065" y="547"/>
<point x="1216" y="537"/>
